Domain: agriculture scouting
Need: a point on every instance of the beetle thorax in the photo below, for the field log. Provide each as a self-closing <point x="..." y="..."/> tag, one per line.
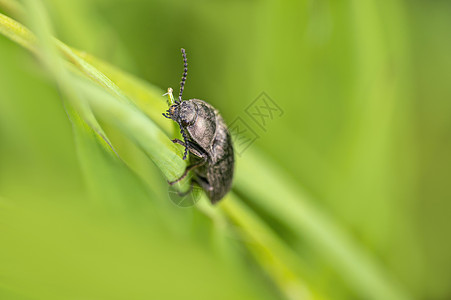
<point x="184" y="113"/>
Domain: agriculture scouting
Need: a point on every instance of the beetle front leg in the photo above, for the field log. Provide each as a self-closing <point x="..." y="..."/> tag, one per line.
<point x="190" y="148"/>
<point x="177" y="141"/>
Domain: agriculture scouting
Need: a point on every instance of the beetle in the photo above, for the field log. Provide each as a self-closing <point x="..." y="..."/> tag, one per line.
<point x="206" y="138"/>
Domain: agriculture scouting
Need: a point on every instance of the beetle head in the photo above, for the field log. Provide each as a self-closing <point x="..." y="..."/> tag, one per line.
<point x="184" y="113"/>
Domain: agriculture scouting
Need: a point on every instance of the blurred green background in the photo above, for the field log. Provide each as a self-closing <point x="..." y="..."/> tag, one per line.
<point x="366" y="128"/>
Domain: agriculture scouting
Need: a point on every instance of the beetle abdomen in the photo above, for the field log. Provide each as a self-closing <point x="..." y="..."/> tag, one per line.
<point x="220" y="169"/>
<point x="220" y="172"/>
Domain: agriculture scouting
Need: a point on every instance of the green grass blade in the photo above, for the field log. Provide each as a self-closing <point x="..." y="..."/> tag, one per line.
<point x="286" y="202"/>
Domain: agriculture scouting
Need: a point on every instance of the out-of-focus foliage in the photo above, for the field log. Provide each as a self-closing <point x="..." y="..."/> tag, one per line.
<point x="345" y="196"/>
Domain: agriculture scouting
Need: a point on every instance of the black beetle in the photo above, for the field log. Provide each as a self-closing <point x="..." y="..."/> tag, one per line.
<point x="207" y="139"/>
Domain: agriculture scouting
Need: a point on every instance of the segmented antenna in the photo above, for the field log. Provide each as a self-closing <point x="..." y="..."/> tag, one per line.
<point x="185" y="73"/>
<point x="185" y="139"/>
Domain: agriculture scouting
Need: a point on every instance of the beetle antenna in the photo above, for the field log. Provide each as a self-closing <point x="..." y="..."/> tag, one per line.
<point x="185" y="139"/>
<point x="185" y="73"/>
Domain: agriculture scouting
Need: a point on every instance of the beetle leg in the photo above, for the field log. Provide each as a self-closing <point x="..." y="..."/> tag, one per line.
<point x="177" y="141"/>
<point x="203" y="183"/>
<point x="189" y="168"/>
<point x="190" y="148"/>
<point x="206" y="186"/>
